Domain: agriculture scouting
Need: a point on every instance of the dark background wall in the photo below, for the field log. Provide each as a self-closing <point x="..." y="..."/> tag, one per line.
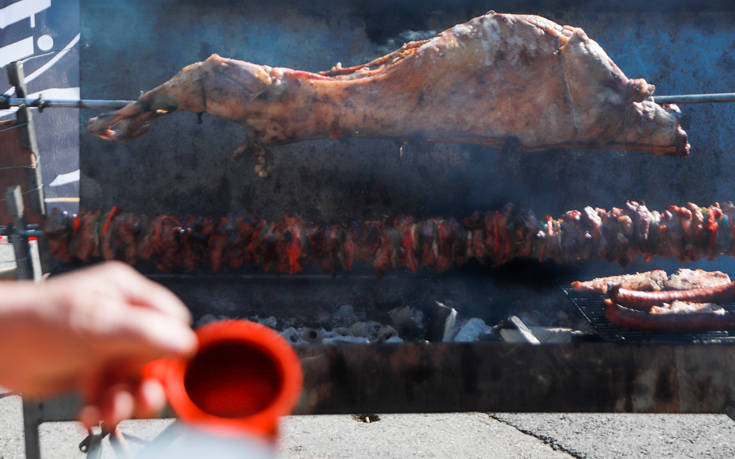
<point x="180" y="166"/>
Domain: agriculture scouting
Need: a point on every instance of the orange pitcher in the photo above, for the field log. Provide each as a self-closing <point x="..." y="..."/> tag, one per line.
<point x="242" y="379"/>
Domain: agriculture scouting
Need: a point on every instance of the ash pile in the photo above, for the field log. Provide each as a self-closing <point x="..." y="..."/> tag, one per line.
<point x="436" y="323"/>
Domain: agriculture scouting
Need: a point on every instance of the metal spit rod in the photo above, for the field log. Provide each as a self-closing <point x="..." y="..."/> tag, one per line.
<point x="94" y="104"/>
<point x="41" y="103"/>
<point x="695" y="98"/>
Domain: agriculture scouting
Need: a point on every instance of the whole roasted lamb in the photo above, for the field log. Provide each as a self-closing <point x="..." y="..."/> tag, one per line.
<point x="494" y="78"/>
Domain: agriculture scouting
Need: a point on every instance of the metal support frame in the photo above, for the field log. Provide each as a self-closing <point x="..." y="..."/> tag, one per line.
<point x="14" y="200"/>
<point x="31" y="410"/>
<point x="16" y="76"/>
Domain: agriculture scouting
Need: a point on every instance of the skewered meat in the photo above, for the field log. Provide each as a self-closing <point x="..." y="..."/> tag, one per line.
<point x="493" y="237"/>
<point x="494" y="78"/>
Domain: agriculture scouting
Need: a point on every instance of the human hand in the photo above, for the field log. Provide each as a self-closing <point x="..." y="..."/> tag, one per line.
<point x="91" y="330"/>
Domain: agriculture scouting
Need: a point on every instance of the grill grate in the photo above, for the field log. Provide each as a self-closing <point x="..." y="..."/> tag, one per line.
<point x="592" y="308"/>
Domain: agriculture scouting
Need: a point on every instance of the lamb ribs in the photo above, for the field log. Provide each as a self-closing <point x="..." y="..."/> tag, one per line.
<point x="493" y="78"/>
<point x="185" y="244"/>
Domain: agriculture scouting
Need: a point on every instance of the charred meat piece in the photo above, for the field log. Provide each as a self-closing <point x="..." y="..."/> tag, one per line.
<point x="650" y="280"/>
<point x="495" y="77"/>
<point x="687" y="279"/>
<point x="86" y="230"/>
<point x="682" y="279"/>
<point x="407" y="230"/>
<point x="493" y="237"/>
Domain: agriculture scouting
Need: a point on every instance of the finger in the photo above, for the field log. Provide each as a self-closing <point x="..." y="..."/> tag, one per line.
<point x="155" y="296"/>
<point x="150" y="399"/>
<point x="141" y="291"/>
<point x="145" y="335"/>
<point x="117" y="405"/>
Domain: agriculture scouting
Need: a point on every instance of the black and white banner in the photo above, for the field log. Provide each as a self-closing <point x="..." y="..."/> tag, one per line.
<point x="45" y="34"/>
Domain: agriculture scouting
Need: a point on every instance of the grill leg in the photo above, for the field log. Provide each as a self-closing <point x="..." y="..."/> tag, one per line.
<point x="730" y="410"/>
<point x="31" y="421"/>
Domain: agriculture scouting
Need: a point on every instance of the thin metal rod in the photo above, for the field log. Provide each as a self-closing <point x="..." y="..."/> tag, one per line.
<point x="42" y="103"/>
<point x="696" y="98"/>
<point x="96" y="104"/>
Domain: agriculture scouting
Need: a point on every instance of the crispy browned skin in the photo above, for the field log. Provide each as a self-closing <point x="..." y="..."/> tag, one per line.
<point x="496" y="77"/>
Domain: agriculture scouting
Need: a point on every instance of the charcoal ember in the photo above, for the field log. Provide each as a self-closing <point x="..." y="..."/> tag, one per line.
<point x="345" y="315"/>
<point x="326" y="334"/>
<point x="407" y="316"/>
<point x="472" y="330"/>
<point x="270" y="321"/>
<point x="311" y="335"/>
<point x="385" y="333"/>
<point x="293" y="336"/>
<point x="440" y="322"/>
<point x="337" y="339"/>
<point x="409" y="321"/>
<point x="367" y="329"/>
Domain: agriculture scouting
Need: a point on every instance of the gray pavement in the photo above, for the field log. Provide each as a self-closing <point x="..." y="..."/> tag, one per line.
<point x="456" y="435"/>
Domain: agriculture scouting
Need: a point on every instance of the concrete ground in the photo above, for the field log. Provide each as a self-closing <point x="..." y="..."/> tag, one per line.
<point x="456" y="435"/>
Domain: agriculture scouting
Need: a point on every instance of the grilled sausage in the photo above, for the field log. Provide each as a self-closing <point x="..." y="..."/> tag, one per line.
<point x="644" y="300"/>
<point x="690" y="322"/>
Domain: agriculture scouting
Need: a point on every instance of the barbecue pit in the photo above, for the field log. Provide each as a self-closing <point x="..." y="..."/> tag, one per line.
<point x="184" y="167"/>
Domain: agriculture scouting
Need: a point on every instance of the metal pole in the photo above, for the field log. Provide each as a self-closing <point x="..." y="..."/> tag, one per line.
<point x="42" y="103"/>
<point x="14" y="201"/>
<point x="31" y="410"/>
<point x="16" y="77"/>
<point x="100" y="104"/>
<point x="695" y="98"/>
<point x="34" y="177"/>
